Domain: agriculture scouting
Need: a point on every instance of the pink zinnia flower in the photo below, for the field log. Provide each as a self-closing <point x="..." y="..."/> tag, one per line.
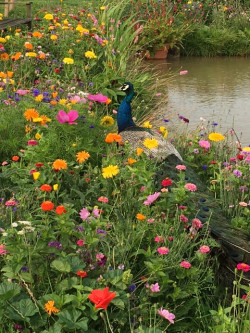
<point x="204" y="144"/>
<point x="183" y="72"/>
<point x="84" y="214"/>
<point x="163" y="250"/>
<point x="98" y="98"/>
<point x="151" y="220"/>
<point x="167" y="315"/>
<point x="196" y="223"/>
<point x="185" y="264"/>
<point x="32" y="143"/>
<point x="80" y="242"/>
<point x="69" y="117"/>
<point x="103" y="199"/>
<point x="159" y="239"/>
<point x="22" y="92"/>
<point x="2" y="249"/>
<point x="155" y="288"/>
<point x="180" y="167"/>
<point x="151" y="198"/>
<point x="191" y="187"/>
<point x="96" y="212"/>
<point x="204" y="249"/>
<point x="243" y="267"/>
<point x="183" y="219"/>
<point x="243" y="204"/>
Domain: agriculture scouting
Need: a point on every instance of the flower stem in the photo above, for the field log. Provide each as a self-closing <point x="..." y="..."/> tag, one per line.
<point x="111" y="330"/>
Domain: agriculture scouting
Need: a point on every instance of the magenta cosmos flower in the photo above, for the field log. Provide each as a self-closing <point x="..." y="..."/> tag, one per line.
<point x="191" y="187"/>
<point x="151" y="198"/>
<point x="204" y="144"/>
<point x="204" y="249"/>
<point x="98" y="98"/>
<point x="167" y="315"/>
<point x="185" y="264"/>
<point x="32" y="143"/>
<point x="243" y="267"/>
<point x="69" y="117"/>
<point x="163" y="250"/>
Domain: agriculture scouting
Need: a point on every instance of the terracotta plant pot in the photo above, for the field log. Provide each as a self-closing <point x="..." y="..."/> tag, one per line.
<point x="159" y="53"/>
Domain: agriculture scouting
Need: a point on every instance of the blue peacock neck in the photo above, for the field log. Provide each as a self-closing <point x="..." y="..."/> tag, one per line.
<point x="124" y="116"/>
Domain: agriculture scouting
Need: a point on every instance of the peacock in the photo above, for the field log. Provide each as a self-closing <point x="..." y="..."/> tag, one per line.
<point x="235" y="247"/>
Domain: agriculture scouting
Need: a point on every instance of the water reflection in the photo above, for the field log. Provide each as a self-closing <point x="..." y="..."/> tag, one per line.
<point x="217" y="89"/>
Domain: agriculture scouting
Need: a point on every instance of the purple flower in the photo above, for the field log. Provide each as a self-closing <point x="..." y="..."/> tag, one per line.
<point x="55" y="244"/>
<point x="243" y="188"/>
<point x="237" y="173"/>
<point x="196" y="151"/>
<point x="101" y="231"/>
<point x="79" y="228"/>
<point x="132" y="287"/>
<point x="151" y="198"/>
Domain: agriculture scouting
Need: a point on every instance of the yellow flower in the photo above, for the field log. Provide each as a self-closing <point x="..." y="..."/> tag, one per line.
<point x="39" y="98"/>
<point x="55" y="187"/>
<point x="82" y="156"/>
<point x="150" y="143"/>
<point x="103" y="7"/>
<point x="53" y="37"/>
<point x="147" y="124"/>
<point x="59" y="164"/>
<point x="49" y="307"/>
<point x="216" y="137"/>
<point x="30" y="54"/>
<point x="90" y="55"/>
<point x="110" y="171"/>
<point x="2" y="40"/>
<point x="68" y="61"/>
<point x="246" y="149"/>
<point x="81" y="29"/>
<point x="38" y="136"/>
<point x="164" y="131"/>
<point x="73" y="144"/>
<point x="107" y="121"/>
<point x="70" y="51"/>
<point x="62" y="101"/>
<point x="48" y="17"/>
<point x="139" y="151"/>
<point x="36" y="175"/>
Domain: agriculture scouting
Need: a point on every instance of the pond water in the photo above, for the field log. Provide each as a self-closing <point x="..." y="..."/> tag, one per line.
<point x="217" y="89"/>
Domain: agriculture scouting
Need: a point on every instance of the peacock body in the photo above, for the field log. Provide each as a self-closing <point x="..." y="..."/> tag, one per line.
<point x="235" y="246"/>
<point x="136" y="135"/>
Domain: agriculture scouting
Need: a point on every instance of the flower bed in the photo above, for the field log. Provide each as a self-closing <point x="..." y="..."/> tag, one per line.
<point x="87" y="242"/>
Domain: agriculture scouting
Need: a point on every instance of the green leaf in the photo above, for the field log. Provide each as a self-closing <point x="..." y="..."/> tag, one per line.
<point x="119" y="303"/>
<point x="76" y="264"/>
<point x="21" y="310"/>
<point x="69" y="318"/>
<point x="8" y="290"/>
<point x="67" y="284"/>
<point x="61" y="266"/>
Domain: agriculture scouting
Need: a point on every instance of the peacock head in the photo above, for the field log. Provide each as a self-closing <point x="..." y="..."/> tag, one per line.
<point x="127" y="87"/>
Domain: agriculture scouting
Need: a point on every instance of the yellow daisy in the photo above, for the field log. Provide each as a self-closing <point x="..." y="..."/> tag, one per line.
<point x="216" y="137"/>
<point x="110" y="171"/>
<point x="150" y="143"/>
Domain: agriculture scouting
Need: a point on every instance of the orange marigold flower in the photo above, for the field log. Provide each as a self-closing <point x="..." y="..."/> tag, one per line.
<point x="4" y="56"/>
<point x="16" y="56"/>
<point x="15" y="158"/>
<point x="28" y="46"/>
<point x="46" y="188"/>
<point x="140" y="217"/>
<point x="60" y="210"/>
<point x="37" y="34"/>
<point x="111" y="137"/>
<point x="139" y="151"/>
<point x="50" y="308"/>
<point x="47" y="205"/>
<point x="30" y="114"/>
<point x="60" y="164"/>
<point x="131" y="161"/>
<point x="82" y="156"/>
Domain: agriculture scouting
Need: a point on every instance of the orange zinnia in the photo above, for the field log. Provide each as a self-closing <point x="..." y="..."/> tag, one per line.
<point x="111" y="137"/>
<point x="131" y="161"/>
<point x="47" y="205"/>
<point x="37" y="34"/>
<point x="140" y="217"/>
<point x="59" y="164"/>
<point x="50" y="308"/>
<point x="16" y="56"/>
<point x="46" y="188"/>
<point x="15" y="158"/>
<point x="28" y="46"/>
<point x="30" y="114"/>
<point x="82" y="156"/>
<point x="60" y="210"/>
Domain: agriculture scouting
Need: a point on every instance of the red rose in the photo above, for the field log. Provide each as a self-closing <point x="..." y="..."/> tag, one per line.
<point x="101" y="297"/>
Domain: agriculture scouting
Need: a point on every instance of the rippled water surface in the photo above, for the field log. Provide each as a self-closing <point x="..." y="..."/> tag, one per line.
<point x="217" y="89"/>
